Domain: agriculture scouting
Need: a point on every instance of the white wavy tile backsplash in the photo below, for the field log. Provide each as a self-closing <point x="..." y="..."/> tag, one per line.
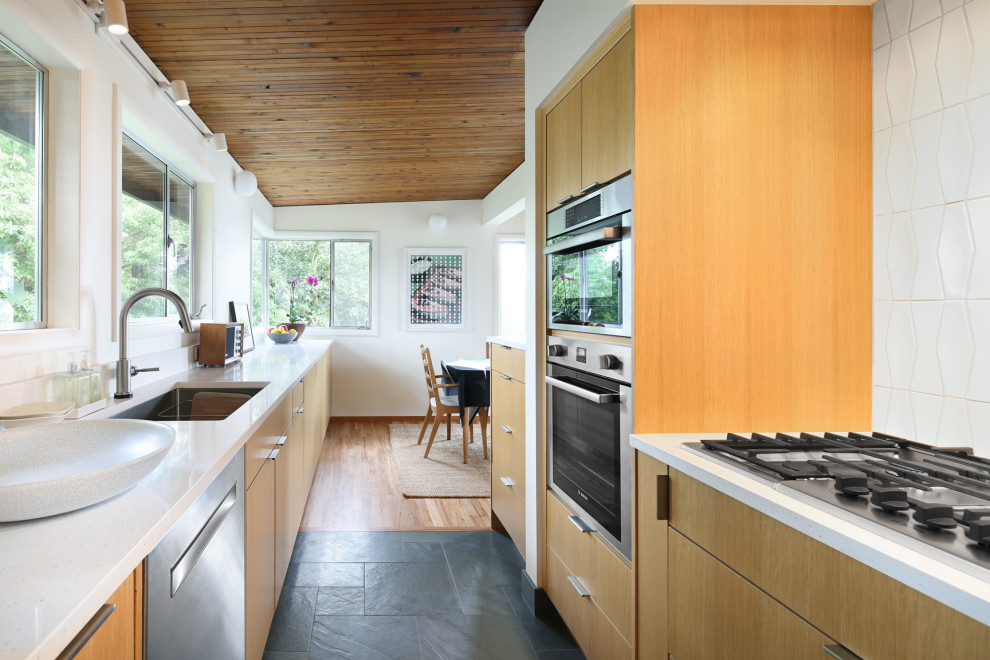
<point x="931" y="253"/>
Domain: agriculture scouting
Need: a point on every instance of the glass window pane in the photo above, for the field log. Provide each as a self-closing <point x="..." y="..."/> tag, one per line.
<point x="257" y="280"/>
<point x="289" y="291"/>
<point x="352" y="284"/>
<point x="142" y="246"/>
<point x="512" y="288"/>
<point x="178" y="252"/>
<point x="21" y="177"/>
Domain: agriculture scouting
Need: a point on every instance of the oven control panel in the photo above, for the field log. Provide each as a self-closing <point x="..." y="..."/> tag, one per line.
<point x="612" y="361"/>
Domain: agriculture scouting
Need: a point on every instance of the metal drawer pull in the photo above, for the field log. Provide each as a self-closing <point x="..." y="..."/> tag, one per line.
<point x="80" y="640"/>
<point x="840" y="652"/>
<point x="588" y="187"/>
<point x="274" y="455"/>
<point x="301" y="410"/>
<point x="508" y="348"/>
<point x="576" y="583"/>
<point x="582" y="392"/>
<point x="580" y="524"/>
<point x="565" y="200"/>
<point x="506" y="481"/>
<point x="195" y="550"/>
<point x="281" y="440"/>
<point x="505" y="428"/>
<point x="505" y="377"/>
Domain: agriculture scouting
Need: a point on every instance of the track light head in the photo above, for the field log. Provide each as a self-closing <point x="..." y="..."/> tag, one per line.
<point x="219" y="140"/>
<point x="180" y="93"/>
<point x="115" y="17"/>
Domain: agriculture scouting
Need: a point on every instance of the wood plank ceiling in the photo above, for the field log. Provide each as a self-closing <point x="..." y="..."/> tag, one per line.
<point x="345" y="101"/>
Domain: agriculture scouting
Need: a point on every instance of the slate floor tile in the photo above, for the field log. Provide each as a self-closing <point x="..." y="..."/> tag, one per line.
<point x="348" y="547"/>
<point x="484" y="600"/>
<point x="409" y="589"/>
<point x="268" y="655"/>
<point x="447" y="537"/>
<point x="365" y="638"/>
<point x="293" y="621"/>
<point x="424" y="552"/>
<point x="473" y="638"/>
<point x="336" y="601"/>
<point x="561" y="654"/>
<point x="547" y="633"/>
<point x="483" y="565"/>
<point x="313" y="574"/>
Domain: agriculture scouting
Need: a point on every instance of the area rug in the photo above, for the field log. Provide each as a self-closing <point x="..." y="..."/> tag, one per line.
<point x="444" y="473"/>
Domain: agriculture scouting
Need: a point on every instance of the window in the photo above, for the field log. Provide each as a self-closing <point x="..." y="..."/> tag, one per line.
<point x="22" y="189"/>
<point x="341" y="300"/>
<point x="156" y="229"/>
<point x="511" y="287"/>
<point x="259" y="266"/>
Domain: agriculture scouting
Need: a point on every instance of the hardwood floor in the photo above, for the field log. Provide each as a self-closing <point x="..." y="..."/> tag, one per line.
<point x="356" y="488"/>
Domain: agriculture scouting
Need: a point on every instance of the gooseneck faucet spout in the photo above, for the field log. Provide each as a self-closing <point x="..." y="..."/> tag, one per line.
<point x="124" y="368"/>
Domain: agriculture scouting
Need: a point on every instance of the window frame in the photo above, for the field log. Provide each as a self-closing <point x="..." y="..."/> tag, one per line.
<point x="170" y="170"/>
<point x="335" y="237"/>
<point x="41" y="233"/>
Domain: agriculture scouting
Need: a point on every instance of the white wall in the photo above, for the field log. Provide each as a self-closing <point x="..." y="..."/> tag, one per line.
<point x="96" y="91"/>
<point x="381" y="376"/>
<point x="931" y="274"/>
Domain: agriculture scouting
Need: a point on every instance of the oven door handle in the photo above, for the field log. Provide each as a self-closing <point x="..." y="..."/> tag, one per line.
<point x="582" y="392"/>
<point x="586" y="240"/>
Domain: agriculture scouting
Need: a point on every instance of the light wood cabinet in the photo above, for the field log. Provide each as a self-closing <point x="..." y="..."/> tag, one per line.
<point x="121" y="635"/>
<point x="508" y="439"/>
<point x="650" y="558"/>
<point x="716" y="614"/>
<point x="589" y="132"/>
<point x="592" y="565"/>
<point x="607" y="116"/>
<point x="276" y="497"/>
<point x="259" y="560"/>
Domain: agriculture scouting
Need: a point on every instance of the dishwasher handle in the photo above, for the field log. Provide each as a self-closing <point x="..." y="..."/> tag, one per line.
<point x="195" y="549"/>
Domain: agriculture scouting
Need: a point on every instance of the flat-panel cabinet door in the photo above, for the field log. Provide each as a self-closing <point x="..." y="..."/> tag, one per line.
<point x="652" y="512"/>
<point x="259" y="559"/>
<point x="564" y="148"/>
<point x="607" y="116"/>
<point x="119" y="637"/>
<point x="288" y="477"/>
<point x="715" y="613"/>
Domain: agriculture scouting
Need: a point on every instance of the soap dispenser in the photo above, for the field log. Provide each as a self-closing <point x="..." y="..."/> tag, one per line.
<point x="93" y="383"/>
<point x="68" y="385"/>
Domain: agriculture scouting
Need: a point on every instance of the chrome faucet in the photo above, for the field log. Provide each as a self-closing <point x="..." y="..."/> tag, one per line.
<point x="124" y="368"/>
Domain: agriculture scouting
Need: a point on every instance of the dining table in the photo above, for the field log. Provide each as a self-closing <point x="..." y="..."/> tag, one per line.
<point x="473" y="378"/>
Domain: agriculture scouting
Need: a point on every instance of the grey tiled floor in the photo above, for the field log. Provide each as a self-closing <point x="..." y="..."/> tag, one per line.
<point x="410" y="596"/>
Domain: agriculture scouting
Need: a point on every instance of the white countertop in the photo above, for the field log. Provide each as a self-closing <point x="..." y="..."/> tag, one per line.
<point x="56" y="572"/>
<point x="966" y="590"/>
<point x="511" y="342"/>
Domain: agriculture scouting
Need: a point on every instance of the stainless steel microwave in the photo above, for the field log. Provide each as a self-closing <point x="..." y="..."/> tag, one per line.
<point x="590" y="262"/>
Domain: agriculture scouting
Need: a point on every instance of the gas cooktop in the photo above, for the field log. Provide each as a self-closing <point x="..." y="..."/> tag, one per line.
<point x="938" y="497"/>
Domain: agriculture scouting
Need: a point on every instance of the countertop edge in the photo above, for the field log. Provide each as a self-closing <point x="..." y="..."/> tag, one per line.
<point x="63" y="633"/>
<point x="964" y="592"/>
<point x="511" y="342"/>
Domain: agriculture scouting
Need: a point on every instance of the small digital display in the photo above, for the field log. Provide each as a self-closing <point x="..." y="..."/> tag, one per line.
<point x="582" y="355"/>
<point x="589" y="209"/>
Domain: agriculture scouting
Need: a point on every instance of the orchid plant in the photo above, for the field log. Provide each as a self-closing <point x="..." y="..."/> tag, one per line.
<point x="294" y="315"/>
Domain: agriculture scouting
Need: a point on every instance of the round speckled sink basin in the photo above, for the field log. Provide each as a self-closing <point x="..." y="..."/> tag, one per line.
<point x="47" y="470"/>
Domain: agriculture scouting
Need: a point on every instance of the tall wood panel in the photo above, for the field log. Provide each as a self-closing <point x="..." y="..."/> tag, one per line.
<point x="121" y="636"/>
<point x="259" y="560"/>
<point x="753" y="217"/>
<point x="650" y="560"/>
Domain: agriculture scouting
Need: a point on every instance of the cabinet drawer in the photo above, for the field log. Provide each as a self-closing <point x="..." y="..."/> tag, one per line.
<point x="509" y="361"/>
<point x="509" y="454"/>
<point x="260" y="445"/>
<point x="602" y="572"/>
<point x="509" y="403"/>
<point x="715" y="613"/>
<point x="596" y="636"/>
<point x="510" y="509"/>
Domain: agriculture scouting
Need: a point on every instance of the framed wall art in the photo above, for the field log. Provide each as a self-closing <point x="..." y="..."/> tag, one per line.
<point x="435" y="284"/>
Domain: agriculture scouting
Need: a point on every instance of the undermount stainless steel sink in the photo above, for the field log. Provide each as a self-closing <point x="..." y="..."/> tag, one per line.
<point x="193" y="403"/>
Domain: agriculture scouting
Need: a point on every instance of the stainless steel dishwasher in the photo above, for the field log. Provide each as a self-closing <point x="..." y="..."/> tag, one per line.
<point x="194" y="596"/>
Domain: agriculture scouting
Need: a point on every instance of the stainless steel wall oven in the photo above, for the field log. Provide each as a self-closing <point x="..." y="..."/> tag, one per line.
<point x="589" y="262"/>
<point x="589" y="413"/>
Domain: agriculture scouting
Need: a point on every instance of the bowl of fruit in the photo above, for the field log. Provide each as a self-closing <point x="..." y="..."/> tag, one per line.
<point x="281" y="334"/>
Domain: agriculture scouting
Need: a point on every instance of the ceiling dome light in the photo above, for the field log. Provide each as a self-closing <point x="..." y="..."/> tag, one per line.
<point x="116" y="16"/>
<point x="245" y="183"/>
<point x="438" y="221"/>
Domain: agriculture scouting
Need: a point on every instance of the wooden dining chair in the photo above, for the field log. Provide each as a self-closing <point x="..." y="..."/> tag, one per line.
<point x="440" y="403"/>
